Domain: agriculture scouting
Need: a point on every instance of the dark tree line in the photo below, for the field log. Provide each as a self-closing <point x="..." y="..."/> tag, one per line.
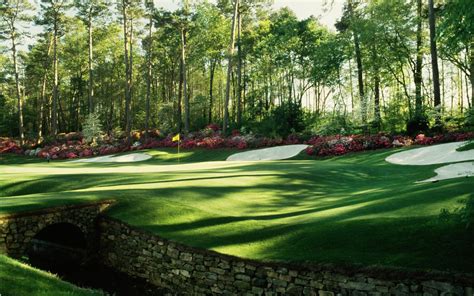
<point x="390" y="65"/>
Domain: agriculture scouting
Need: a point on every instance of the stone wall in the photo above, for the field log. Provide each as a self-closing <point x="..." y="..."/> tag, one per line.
<point x="17" y="230"/>
<point x="188" y="270"/>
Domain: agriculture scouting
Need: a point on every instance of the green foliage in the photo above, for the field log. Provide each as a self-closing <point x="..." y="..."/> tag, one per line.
<point x="92" y="128"/>
<point x="282" y="121"/>
<point x="464" y="213"/>
<point x="455" y="31"/>
<point x="334" y="124"/>
<point x="165" y="112"/>
<point x="284" y="60"/>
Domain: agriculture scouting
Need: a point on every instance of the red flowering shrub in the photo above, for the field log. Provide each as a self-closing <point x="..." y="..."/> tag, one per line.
<point x="72" y="145"/>
<point x="9" y="146"/>
<point x="310" y="150"/>
<point x="71" y="155"/>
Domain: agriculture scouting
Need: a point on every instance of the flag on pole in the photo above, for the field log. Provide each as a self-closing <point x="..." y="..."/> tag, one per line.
<point x="177" y="139"/>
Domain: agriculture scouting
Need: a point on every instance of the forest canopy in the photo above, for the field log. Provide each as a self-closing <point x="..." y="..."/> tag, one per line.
<point x="395" y="66"/>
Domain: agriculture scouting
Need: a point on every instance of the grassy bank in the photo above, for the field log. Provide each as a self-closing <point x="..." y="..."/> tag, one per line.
<point x="353" y="209"/>
<point x="17" y="278"/>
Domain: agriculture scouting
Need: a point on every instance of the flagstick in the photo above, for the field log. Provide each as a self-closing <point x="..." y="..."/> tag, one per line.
<point x="178" y="149"/>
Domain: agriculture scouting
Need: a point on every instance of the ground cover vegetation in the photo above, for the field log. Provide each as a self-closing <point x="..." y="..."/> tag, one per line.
<point x="400" y="66"/>
<point x="20" y="279"/>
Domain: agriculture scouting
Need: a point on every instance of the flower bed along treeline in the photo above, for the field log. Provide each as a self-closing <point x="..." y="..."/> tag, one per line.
<point x="73" y="145"/>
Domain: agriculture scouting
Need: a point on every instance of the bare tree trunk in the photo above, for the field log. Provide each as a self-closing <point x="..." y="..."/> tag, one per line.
<point x="185" y="86"/>
<point x="180" y="96"/>
<point x="419" y="63"/>
<point x="148" y="77"/>
<point x="43" y="95"/>
<point x="351" y="85"/>
<point x="130" y="93"/>
<point x="229" y="68"/>
<point x="359" y="69"/>
<point x="127" y="71"/>
<point x="91" y="78"/>
<point x="378" y="118"/>
<point x="211" y="82"/>
<point x="471" y="70"/>
<point x="239" y="70"/>
<point x="360" y="79"/>
<point x="17" y="88"/>
<point x="434" y="59"/>
<point x="54" y="115"/>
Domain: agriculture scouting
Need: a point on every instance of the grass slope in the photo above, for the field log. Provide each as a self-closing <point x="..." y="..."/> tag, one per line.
<point x="17" y="278"/>
<point x="466" y="147"/>
<point x="356" y="208"/>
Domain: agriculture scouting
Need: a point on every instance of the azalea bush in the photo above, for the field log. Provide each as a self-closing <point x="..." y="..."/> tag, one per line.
<point x="339" y="145"/>
<point x="9" y="146"/>
<point x="73" y="145"/>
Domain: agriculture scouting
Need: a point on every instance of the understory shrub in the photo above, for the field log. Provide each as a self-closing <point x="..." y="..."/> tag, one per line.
<point x="74" y="145"/>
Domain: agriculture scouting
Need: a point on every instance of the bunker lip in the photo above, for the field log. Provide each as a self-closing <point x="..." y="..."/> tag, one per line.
<point x="132" y="157"/>
<point x="439" y="154"/>
<point x="452" y="171"/>
<point x="436" y="154"/>
<point x="272" y="153"/>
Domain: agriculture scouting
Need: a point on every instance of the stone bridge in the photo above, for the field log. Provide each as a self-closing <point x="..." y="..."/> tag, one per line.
<point x="76" y="221"/>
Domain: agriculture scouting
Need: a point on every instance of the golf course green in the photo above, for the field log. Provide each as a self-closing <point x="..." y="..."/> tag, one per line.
<point x="356" y="208"/>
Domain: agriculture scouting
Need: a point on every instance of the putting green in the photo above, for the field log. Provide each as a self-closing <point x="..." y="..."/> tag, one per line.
<point x="352" y="209"/>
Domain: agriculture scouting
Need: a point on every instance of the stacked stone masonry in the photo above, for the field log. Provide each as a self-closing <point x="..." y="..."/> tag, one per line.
<point x="192" y="271"/>
<point x="17" y="230"/>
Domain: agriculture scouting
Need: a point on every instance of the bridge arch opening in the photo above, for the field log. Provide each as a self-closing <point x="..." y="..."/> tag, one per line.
<point x="59" y="248"/>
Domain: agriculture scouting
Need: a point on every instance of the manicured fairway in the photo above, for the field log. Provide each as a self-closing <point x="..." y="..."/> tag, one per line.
<point x="354" y="209"/>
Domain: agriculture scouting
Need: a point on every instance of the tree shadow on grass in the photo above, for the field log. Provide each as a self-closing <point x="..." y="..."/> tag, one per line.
<point x="334" y="211"/>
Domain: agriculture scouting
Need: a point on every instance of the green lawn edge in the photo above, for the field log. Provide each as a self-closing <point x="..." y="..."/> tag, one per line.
<point x="17" y="278"/>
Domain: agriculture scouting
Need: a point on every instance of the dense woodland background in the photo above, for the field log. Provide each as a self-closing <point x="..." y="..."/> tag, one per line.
<point x="392" y="65"/>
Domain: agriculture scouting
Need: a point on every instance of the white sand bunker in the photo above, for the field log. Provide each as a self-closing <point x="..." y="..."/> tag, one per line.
<point x="133" y="157"/>
<point x="273" y="153"/>
<point x="457" y="170"/>
<point x="443" y="153"/>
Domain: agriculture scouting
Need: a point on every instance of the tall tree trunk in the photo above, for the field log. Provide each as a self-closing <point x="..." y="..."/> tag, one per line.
<point x="17" y="89"/>
<point x="41" y="110"/>
<point x="434" y="59"/>
<point x="359" y="68"/>
<point x="91" y="77"/>
<point x="148" y="76"/>
<point x="130" y="92"/>
<point x="229" y="68"/>
<point x="419" y="63"/>
<point x="127" y="115"/>
<point x="471" y="70"/>
<point x="239" y="70"/>
<point x="378" y="118"/>
<point x="54" y="115"/>
<point x="360" y="79"/>
<point x="351" y="86"/>
<point x="43" y="93"/>
<point x="185" y="86"/>
<point x="180" y="96"/>
<point x="211" y="82"/>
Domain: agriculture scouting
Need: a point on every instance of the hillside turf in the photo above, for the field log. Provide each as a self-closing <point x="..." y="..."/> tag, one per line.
<point x="350" y="209"/>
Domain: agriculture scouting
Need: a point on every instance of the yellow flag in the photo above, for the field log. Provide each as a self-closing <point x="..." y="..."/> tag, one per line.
<point x="176" y="138"/>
